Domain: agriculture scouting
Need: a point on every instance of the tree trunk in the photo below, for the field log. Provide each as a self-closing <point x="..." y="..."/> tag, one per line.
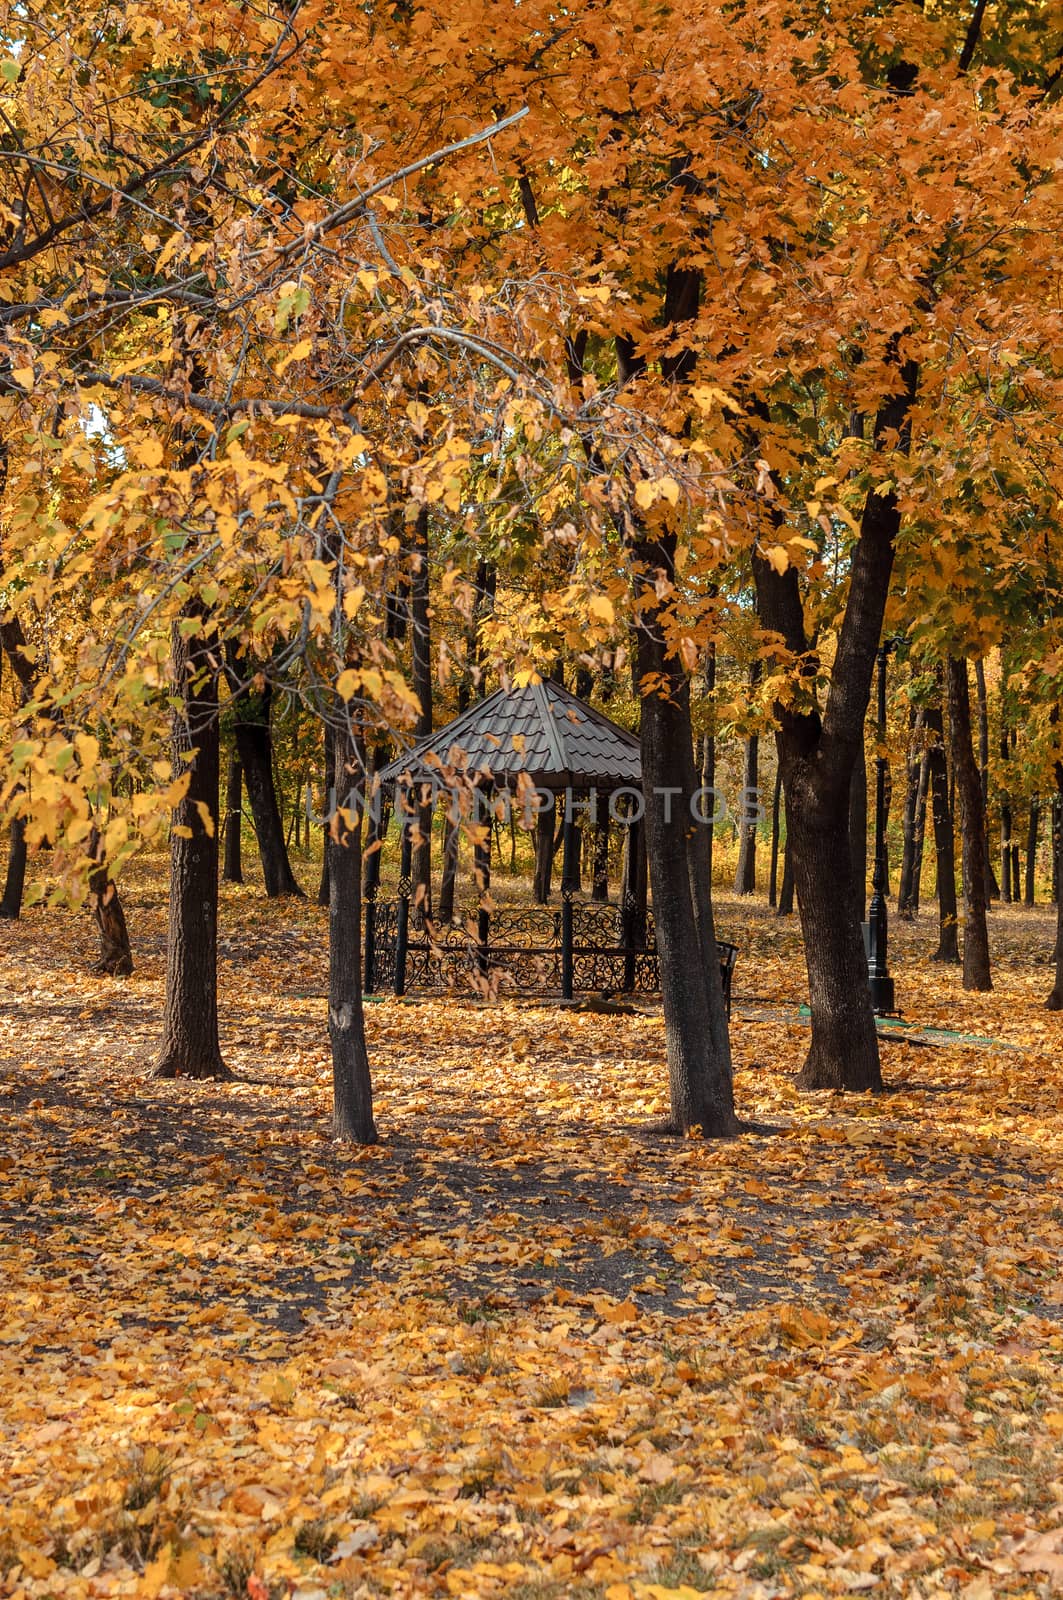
<point x="421" y="630"/>
<point x="992" y="887"/>
<point x="15" y="883"/>
<point x="1055" y="999"/>
<point x="948" y="949"/>
<point x="818" y="751"/>
<point x="708" y="743"/>
<point x="1031" y="851"/>
<point x="352" y="1085"/>
<point x="116" y="957"/>
<point x="190" y="1047"/>
<point x="545" y="849"/>
<point x="905" y="897"/>
<point x="695" y="1020"/>
<point x="858" y="830"/>
<point x="920" y="831"/>
<point x="232" y="870"/>
<point x="323" y="888"/>
<point x="600" y="868"/>
<point x="786" y="887"/>
<point x="746" y="871"/>
<point x="773" y="875"/>
<point x="976" y="974"/>
<point x="254" y="743"/>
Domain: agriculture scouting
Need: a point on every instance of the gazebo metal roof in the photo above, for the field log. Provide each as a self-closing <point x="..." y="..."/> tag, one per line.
<point x="539" y="729"/>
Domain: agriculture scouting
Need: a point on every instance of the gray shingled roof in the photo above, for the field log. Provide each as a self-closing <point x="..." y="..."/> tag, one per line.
<point x="541" y="730"/>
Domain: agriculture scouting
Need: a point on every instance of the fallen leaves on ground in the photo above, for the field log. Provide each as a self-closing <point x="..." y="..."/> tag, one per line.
<point x="523" y="1347"/>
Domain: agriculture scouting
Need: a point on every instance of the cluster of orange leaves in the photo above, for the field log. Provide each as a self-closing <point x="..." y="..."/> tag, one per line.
<point x="523" y="1347"/>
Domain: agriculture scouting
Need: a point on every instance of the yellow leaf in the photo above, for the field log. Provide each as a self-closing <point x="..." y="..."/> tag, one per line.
<point x="601" y="606"/>
<point x="801" y="1326"/>
<point x="645" y="494"/>
<point x="148" y="452"/>
<point x="23" y="376"/>
<point x="775" y="555"/>
<point x="205" y="818"/>
<point x="155" y="1574"/>
<point x="347" y="683"/>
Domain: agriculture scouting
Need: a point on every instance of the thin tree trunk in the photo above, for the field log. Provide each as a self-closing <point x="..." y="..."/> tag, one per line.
<point x="708" y="743"/>
<point x="329" y="740"/>
<point x="1031" y="851"/>
<point x="920" y="831"/>
<point x="254" y="743"/>
<point x="545" y="849"/>
<point x="746" y="871"/>
<point x="992" y="887"/>
<point x="976" y="972"/>
<point x="116" y="957"/>
<point x="905" y="898"/>
<point x="15" y="882"/>
<point x="948" y="949"/>
<point x="190" y="1047"/>
<point x="232" y="869"/>
<point x="773" y="875"/>
<point x="600" y="868"/>
<point x="421" y="630"/>
<point x="352" y="1085"/>
<point x="1055" y="999"/>
<point x="786" y="887"/>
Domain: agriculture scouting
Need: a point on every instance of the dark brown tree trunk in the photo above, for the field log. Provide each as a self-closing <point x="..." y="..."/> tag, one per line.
<point x="948" y="949"/>
<point x="746" y="871"/>
<point x="600" y="868"/>
<point x="858" y="830"/>
<point x="773" y="874"/>
<point x="905" y="896"/>
<point x="190" y="1047"/>
<point x="992" y="887"/>
<point x="254" y="743"/>
<point x="323" y="889"/>
<point x="976" y="973"/>
<point x="1055" y="999"/>
<point x="421" y="630"/>
<point x="546" y="843"/>
<point x="708" y="743"/>
<point x="470" y="682"/>
<point x="116" y="957"/>
<point x="352" y="1085"/>
<point x="15" y="882"/>
<point x="232" y="869"/>
<point x="695" y="1019"/>
<point x="920" y="831"/>
<point x="817" y="752"/>
<point x="1031" y="851"/>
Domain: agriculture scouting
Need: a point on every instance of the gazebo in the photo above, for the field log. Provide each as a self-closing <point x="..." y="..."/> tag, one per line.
<point x="538" y="747"/>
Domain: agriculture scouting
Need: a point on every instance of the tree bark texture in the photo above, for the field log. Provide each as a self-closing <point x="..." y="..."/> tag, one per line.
<point x="948" y="949"/>
<point x="976" y="973"/>
<point x="254" y="743"/>
<point x="421" y="631"/>
<point x="232" y="868"/>
<point x="15" y="881"/>
<point x="190" y="1047"/>
<point x="695" y="1019"/>
<point x="858" y="830"/>
<point x="352" y="1085"/>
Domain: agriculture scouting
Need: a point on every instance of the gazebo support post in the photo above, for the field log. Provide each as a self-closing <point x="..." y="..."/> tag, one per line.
<point x="402" y="926"/>
<point x="482" y="866"/>
<point x="569" y="882"/>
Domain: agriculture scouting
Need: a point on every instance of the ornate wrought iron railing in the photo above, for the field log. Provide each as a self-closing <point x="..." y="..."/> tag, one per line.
<point x="524" y="952"/>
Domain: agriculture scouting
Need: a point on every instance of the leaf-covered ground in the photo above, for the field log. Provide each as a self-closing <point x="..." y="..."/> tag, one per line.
<point x="523" y="1347"/>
